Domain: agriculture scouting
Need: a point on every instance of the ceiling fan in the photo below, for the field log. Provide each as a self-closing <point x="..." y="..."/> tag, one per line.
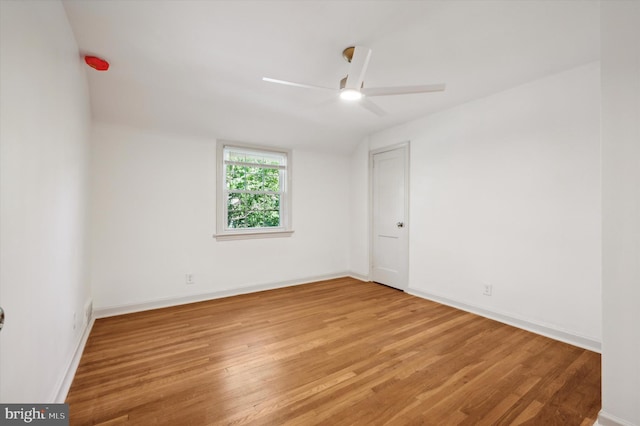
<point x="352" y="86"/>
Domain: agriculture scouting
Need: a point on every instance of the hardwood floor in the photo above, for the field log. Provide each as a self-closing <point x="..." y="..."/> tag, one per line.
<point x="338" y="352"/>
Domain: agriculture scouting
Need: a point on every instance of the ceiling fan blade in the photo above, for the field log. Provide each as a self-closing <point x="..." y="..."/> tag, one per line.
<point x="359" y="64"/>
<point x="367" y="104"/>
<point x="402" y="90"/>
<point x="291" y="83"/>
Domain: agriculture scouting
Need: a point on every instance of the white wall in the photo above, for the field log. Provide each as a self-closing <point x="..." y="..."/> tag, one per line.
<point x="153" y="217"/>
<point x="505" y="190"/>
<point x="620" y="26"/>
<point x="44" y="122"/>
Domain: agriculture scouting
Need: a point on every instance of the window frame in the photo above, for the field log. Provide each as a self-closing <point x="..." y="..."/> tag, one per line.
<point x="222" y="231"/>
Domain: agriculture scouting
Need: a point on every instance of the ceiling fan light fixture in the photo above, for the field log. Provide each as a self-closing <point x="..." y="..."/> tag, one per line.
<point x="351" y="88"/>
<point x="350" y="95"/>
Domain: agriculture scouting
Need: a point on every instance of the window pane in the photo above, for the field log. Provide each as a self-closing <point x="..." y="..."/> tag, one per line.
<point x="271" y="179"/>
<point x="253" y="210"/>
<point x="272" y="218"/>
<point x="253" y="179"/>
<point x="235" y="176"/>
<point x="269" y="202"/>
<point x="236" y="211"/>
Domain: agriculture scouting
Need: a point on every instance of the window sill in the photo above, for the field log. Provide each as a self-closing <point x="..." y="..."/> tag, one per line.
<point x="252" y="235"/>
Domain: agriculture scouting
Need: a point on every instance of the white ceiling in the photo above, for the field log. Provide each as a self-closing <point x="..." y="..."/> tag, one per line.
<point x="195" y="67"/>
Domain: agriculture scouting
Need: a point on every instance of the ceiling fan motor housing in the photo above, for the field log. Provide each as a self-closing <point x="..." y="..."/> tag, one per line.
<point x="343" y="83"/>
<point x="347" y="53"/>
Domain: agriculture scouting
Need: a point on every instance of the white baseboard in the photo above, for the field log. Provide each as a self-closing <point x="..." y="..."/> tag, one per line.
<point x="544" y="330"/>
<point x="606" y="419"/>
<point x="70" y="372"/>
<point x="359" y="277"/>
<point x="110" y="311"/>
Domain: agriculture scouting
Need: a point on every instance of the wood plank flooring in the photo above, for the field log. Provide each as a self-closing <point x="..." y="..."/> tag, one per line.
<point x="338" y="352"/>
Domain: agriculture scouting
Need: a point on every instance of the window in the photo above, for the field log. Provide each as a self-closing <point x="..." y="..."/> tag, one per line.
<point x="254" y="192"/>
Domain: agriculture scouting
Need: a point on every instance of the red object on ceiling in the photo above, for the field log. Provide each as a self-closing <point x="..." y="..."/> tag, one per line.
<point x="96" y="63"/>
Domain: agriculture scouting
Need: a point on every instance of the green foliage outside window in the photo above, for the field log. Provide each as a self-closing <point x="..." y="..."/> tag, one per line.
<point x="253" y="198"/>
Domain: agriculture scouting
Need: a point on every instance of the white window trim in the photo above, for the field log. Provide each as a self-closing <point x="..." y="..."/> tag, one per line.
<point x="224" y="234"/>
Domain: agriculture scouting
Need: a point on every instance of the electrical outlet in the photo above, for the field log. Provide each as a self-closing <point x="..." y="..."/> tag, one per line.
<point x="189" y="279"/>
<point x="488" y="289"/>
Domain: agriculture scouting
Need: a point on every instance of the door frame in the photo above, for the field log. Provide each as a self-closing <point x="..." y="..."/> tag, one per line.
<point x="407" y="221"/>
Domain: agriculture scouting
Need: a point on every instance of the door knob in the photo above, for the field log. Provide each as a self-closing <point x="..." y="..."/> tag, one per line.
<point x="400" y="224"/>
<point x="1" y="318"/>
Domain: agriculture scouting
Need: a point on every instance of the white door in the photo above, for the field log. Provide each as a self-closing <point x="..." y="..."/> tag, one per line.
<point x="390" y="207"/>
